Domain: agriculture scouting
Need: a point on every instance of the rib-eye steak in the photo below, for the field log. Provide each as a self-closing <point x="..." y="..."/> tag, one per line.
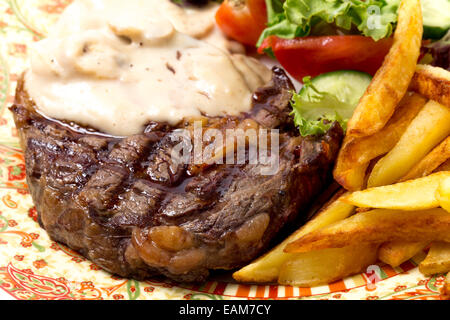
<point x="121" y="203"/>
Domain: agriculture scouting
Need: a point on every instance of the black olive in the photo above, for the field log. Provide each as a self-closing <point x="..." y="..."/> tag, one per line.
<point x="186" y="3"/>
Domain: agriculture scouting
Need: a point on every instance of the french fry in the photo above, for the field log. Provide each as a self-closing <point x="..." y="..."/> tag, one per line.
<point x="356" y="153"/>
<point x="418" y="194"/>
<point x="394" y="253"/>
<point x="392" y="80"/>
<point x="437" y="260"/>
<point x="351" y="178"/>
<point x="378" y="226"/>
<point x="267" y="267"/>
<point x="326" y="266"/>
<point x="428" y="129"/>
<point x="433" y="83"/>
<point x="431" y="162"/>
<point x="443" y="194"/>
<point x="445" y="291"/>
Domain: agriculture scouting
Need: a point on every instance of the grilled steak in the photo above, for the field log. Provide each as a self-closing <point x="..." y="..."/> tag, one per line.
<point x="124" y="204"/>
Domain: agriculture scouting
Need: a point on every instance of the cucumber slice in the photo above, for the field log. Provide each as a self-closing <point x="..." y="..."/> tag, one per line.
<point x="436" y="18"/>
<point x="347" y="86"/>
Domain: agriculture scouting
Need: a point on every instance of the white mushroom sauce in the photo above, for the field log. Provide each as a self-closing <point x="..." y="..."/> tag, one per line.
<point x="116" y="65"/>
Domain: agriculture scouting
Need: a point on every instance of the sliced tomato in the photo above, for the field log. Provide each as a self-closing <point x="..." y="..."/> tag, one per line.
<point x="311" y="56"/>
<point x="242" y="20"/>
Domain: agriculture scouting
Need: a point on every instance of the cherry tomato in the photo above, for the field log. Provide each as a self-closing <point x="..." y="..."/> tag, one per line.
<point x="311" y="56"/>
<point x="242" y="20"/>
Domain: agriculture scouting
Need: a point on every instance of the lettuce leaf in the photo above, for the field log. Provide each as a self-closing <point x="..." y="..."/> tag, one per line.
<point x="296" y="18"/>
<point x="315" y="111"/>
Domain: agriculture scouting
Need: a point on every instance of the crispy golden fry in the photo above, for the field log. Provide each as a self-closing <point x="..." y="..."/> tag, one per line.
<point x="326" y="266"/>
<point x="392" y="80"/>
<point x="378" y="226"/>
<point x="443" y="194"/>
<point x="431" y="162"/>
<point x="356" y="153"/>
<point x="267" y="267"/>
<point x="351" y="178"/>
<point x="428" y="129"/>
<point x="394" y="253"/>
<point x="445" y="291"/>
<point x="433" y="83"/>
<point x="418" y="194"/>
<point x="437" y="260"/>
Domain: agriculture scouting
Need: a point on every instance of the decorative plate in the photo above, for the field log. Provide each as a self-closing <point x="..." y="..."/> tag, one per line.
<point x="34" y="267"/>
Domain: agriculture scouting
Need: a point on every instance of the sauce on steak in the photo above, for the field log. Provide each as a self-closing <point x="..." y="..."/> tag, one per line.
<point x="120" y="202"/>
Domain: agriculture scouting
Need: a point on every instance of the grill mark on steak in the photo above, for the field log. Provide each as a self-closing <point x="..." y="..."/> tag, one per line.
<point x="122" y="203"/>
<point x="110" y="180"/>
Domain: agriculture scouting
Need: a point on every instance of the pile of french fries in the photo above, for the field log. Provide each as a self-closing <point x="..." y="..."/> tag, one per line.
<point x="394" y="169"/>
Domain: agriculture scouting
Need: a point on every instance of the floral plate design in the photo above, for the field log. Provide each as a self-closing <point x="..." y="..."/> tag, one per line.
<point x="32" y="267"/>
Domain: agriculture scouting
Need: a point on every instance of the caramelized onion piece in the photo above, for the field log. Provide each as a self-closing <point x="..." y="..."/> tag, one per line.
<point x="168" y="246"/>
